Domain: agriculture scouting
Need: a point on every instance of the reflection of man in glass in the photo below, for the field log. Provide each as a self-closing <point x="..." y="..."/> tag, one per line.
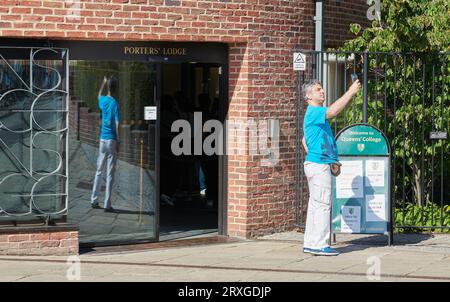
<point x="109" y="142"/>
<point x="321" y="150"/>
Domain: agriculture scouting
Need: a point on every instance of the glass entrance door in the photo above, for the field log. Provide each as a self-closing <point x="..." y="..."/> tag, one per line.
<point x="128" y="164"/>
<point x="189" y="181"/>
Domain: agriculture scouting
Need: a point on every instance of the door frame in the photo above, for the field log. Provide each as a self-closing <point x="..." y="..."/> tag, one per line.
<point x="222" y="177"/>
<point x="158" y="88"/>
<point x="223" y="159"/>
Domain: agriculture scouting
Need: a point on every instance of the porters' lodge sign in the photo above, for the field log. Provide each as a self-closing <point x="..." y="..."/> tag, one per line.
<point x="164" y="51"/>
<point x="216" y="53"/>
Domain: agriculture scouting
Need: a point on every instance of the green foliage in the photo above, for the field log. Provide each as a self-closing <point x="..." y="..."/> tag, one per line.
<point x="355" y="28"/>
<point x="429" y="215"/>
<point x="413" y="90"/>
<point x="406" y="25"/>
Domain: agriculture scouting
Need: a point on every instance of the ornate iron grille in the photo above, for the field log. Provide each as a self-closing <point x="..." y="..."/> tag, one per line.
<point x="34" y="92"/>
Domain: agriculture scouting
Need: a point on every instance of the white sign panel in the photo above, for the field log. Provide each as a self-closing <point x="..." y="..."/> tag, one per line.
<point x="375" y="207"/>
<point x="375" y="173"/>
<point x="299" y="61"/>
<point x="350" y="219"/>
<point x="150" y="113"/>
<point x="349" y="184"/>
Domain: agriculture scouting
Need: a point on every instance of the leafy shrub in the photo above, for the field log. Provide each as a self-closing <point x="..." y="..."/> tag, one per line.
<point x="429" y="215"/>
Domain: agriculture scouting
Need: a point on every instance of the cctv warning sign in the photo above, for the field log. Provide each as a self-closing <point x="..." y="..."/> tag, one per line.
<point x="299" y="61"/>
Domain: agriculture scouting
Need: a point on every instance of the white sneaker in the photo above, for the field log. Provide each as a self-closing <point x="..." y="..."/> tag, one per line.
<point x="203" y="192"/>
<point x="326" y="251"/>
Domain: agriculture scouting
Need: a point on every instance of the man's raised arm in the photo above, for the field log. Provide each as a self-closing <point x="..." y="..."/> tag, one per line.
<point x="102" y="86"/>
<point x="340" y="104"/>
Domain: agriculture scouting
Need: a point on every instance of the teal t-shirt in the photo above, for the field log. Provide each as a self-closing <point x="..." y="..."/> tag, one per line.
<point x="322" y="148"/>
<point x="110" y="115"/>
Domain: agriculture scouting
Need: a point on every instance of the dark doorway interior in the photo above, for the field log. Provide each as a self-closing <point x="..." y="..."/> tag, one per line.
<point x="189" y="183"/>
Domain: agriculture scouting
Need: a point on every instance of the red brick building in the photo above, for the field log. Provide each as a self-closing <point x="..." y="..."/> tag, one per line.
<point x="255" y="40"/>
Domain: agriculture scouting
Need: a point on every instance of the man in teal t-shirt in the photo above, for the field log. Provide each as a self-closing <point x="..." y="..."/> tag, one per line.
<point x="322" y="146"/>
<point x="109" y="143"/>
<point x="321" y="149"/>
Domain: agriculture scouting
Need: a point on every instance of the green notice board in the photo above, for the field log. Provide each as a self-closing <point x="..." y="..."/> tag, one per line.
<point x="362" y="192"/>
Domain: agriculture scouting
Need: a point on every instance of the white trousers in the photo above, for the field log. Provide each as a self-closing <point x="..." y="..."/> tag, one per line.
<point x="107" y="155"/>
<point x="317" y="230"/>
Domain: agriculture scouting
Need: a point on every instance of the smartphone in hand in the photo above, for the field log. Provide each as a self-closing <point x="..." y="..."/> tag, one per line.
<point x="354" y="77"/>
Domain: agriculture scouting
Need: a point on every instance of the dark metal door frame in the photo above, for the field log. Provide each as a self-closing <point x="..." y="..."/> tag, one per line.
<point x="223" y="159"/>
<point x="157" y="146"/>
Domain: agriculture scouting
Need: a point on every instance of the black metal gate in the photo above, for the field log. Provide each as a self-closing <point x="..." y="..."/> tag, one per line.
<point x="406" y="95"/>
<point x="34" y="92"/>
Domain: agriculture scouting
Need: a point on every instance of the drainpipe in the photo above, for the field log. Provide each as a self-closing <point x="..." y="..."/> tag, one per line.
<point x="318" y="20"/>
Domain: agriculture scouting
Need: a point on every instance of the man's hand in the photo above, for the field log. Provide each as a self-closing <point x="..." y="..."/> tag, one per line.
<point x="354" y="88"/>
<point x="304" y="145"/>
<point x="105" y="79"/>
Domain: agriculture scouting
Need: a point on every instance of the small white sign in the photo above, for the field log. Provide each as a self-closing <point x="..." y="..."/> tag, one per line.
<point x="350" y="183"/>
<point x="374" y="173"/>
<point x="350" y="219"/>
<point x="150" y="113"/>
<point x="299" y="61"/>
<point x="376" y="207"/>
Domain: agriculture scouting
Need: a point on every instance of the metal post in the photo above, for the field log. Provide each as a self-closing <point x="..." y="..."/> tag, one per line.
<point x="141" y="197"/>
<point x="365" y="86"/>
<point x="299" y="184"/>
<point x="66" y="62"/>
<point x="318" y="21"/>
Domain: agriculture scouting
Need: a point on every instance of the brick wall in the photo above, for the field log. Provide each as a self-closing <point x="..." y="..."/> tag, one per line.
<point x="261" y="35"/>
<point x="31" y="241"/>
<point x="339" y="14"/>
<point x="83" y="124"/>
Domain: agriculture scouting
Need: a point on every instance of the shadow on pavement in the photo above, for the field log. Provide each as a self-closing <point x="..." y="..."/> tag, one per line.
<point x="366" y="242"/>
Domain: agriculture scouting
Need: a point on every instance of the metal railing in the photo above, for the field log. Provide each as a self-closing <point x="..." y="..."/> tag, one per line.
<point x="406" y="95"/>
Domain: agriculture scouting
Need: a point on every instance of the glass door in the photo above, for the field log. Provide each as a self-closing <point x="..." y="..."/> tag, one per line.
<point x="125" y="170"/>
<point x="189" y="181"/>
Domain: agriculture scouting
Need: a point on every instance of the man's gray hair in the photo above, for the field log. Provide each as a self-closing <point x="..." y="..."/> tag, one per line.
<point x="307" y="87"/>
